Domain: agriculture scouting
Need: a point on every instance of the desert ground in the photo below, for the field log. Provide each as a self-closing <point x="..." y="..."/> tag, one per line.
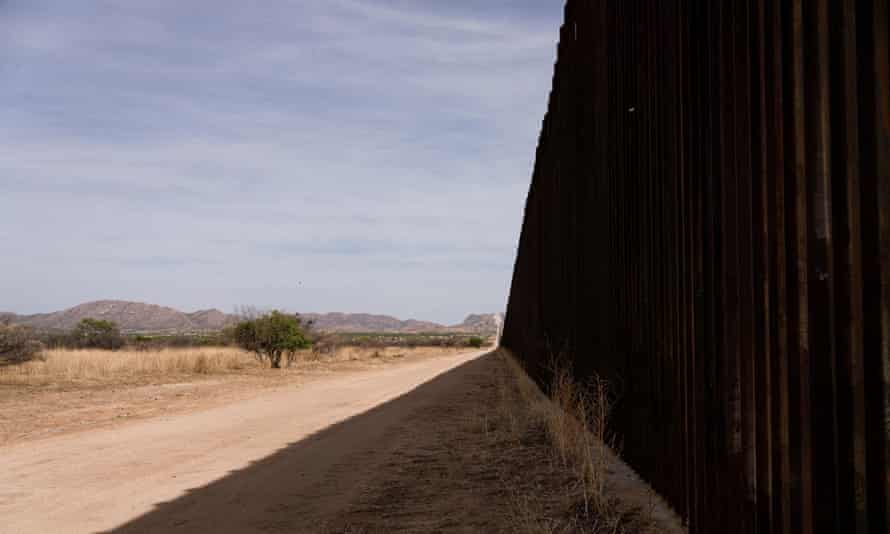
<point x="93" y="480"/>
<point x="430" y="440"/>
<point x="77" y="390"/>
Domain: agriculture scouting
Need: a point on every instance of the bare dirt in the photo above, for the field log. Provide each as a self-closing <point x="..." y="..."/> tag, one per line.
<point x="29" y="412"/>
<point x="99" y="479"/>
<point x="421" y="446"/>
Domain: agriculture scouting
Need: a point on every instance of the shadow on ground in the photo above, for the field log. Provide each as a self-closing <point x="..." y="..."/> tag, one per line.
<point x="304" y="486"/>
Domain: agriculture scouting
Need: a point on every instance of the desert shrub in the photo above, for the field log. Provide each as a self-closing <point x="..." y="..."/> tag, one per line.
<point x="55" y="339"/>
<point x="18" y="344"/>
<point x="97" y="334"/>
<point x="476" y="342"/>
<point x="325" y="345"/>
<point x="140" y="342"/>
<point x="272" y="336"/>
<point x="178" y="341"/>
<point x="406" y="340"/>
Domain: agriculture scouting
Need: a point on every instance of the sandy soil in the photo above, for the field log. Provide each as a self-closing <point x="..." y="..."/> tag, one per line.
<point x="30" y="412"/>
<point x="98" y="480"/>
<point x="437" y="445"/>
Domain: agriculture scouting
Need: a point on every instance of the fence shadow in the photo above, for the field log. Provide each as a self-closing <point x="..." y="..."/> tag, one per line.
<point x="298" y="486"/>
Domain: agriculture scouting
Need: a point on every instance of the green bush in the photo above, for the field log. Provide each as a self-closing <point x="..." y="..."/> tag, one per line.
<point x="272" y="336"/>
<point x="476" y="342"/>
<point x="176" y="341"/>
<point x="97" y="334"/>
<point x="18" y="344"/>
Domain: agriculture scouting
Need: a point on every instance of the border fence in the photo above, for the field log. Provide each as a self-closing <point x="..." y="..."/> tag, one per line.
<point x="708" y="227"/>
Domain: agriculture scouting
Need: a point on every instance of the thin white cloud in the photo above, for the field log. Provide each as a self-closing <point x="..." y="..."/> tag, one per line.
<point x="210" y="154"/>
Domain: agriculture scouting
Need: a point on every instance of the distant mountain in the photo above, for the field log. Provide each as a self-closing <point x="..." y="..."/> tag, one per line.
<point x="134" y="317"/>
<point x="130" y="317"/>
<point x="488" y="323"/>
<point x="363" y="322"/>
<point x="211" y="319"/>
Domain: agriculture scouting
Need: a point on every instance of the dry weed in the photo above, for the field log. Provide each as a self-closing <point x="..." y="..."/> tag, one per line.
<point x="576" y="419"/>
<point x="93" y="366"/>
<point x="64" y="365"/>
<point x="579" y="431"/>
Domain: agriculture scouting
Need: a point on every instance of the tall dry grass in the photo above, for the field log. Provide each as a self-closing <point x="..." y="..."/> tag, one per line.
<point x="575" y="419"/>
<point x="58" y="366"/>
<point x="65" y="365"/>
<point x="579" y="432"/>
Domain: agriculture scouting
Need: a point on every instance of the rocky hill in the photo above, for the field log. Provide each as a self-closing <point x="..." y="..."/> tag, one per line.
<point x="148" y="318"/>
<point x="131" y="317"/>
<point x="363" y="322"/>
<point x="210" y="319"/>
<point x="488" y="323"/>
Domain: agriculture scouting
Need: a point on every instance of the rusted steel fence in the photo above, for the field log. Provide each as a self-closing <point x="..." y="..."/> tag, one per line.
<point x="708" y="226"/>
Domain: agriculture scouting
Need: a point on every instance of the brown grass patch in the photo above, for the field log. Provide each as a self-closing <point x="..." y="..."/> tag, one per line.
<point x="98" y="367"/>
<point x="79" y="390"/>
<point x="606" y="497"/>
<point x="64" y="365"/>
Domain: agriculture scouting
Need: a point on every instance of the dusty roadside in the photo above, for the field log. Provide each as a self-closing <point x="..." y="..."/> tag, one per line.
<point x="231" y="468"/>
<point x="481" y="460"/>
<point x="453" y="444"/>
<point x="33" y="412"/>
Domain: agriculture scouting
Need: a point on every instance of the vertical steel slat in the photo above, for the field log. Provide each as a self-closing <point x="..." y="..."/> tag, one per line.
<point x="745" y="277"/>
<point x="761" y="247"/>
<point x="820" y="277"/>
<point x="848" y="252"/>
<point x="875" y="117"/>
<point x="778" y="274"/>
<point x="796" y="202"/>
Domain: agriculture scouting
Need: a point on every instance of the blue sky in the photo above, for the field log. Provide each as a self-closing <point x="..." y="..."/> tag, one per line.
<point x="311" y="155"/>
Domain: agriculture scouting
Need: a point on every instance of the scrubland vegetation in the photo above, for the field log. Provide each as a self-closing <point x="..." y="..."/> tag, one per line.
<point x="95" y="351"/>
<point x="272" y="337"/>
<point x="550" y="460"/>
<point x="402" y="340"/>
<point x="573" y="425"/>
<point x="17" y="345"/>
<point x="76" y="389"/>
<point x="96" y="365"/>
<point x="137" y="365"/>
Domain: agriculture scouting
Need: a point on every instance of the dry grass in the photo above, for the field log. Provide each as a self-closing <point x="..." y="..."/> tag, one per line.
<point x="73" y="391"/>
<point x="579" y="433"/>
<point x="575" y="420"/>
<point x="64" y="365"/>
<point x="95" y="367"/>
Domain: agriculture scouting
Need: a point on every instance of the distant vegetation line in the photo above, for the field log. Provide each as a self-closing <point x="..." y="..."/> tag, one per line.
<point x="274" y="337"/>
<point x="149" y="319"/>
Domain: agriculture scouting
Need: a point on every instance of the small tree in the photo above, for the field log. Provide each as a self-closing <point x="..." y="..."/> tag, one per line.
<point x="17" y="344"/>
<point x="97" y="334"/>
<point x="476" y="342"/>
<point x="271" y="336"/>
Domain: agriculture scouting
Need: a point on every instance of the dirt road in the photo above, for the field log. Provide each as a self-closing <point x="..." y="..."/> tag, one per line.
<point x="301" y="451"/>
